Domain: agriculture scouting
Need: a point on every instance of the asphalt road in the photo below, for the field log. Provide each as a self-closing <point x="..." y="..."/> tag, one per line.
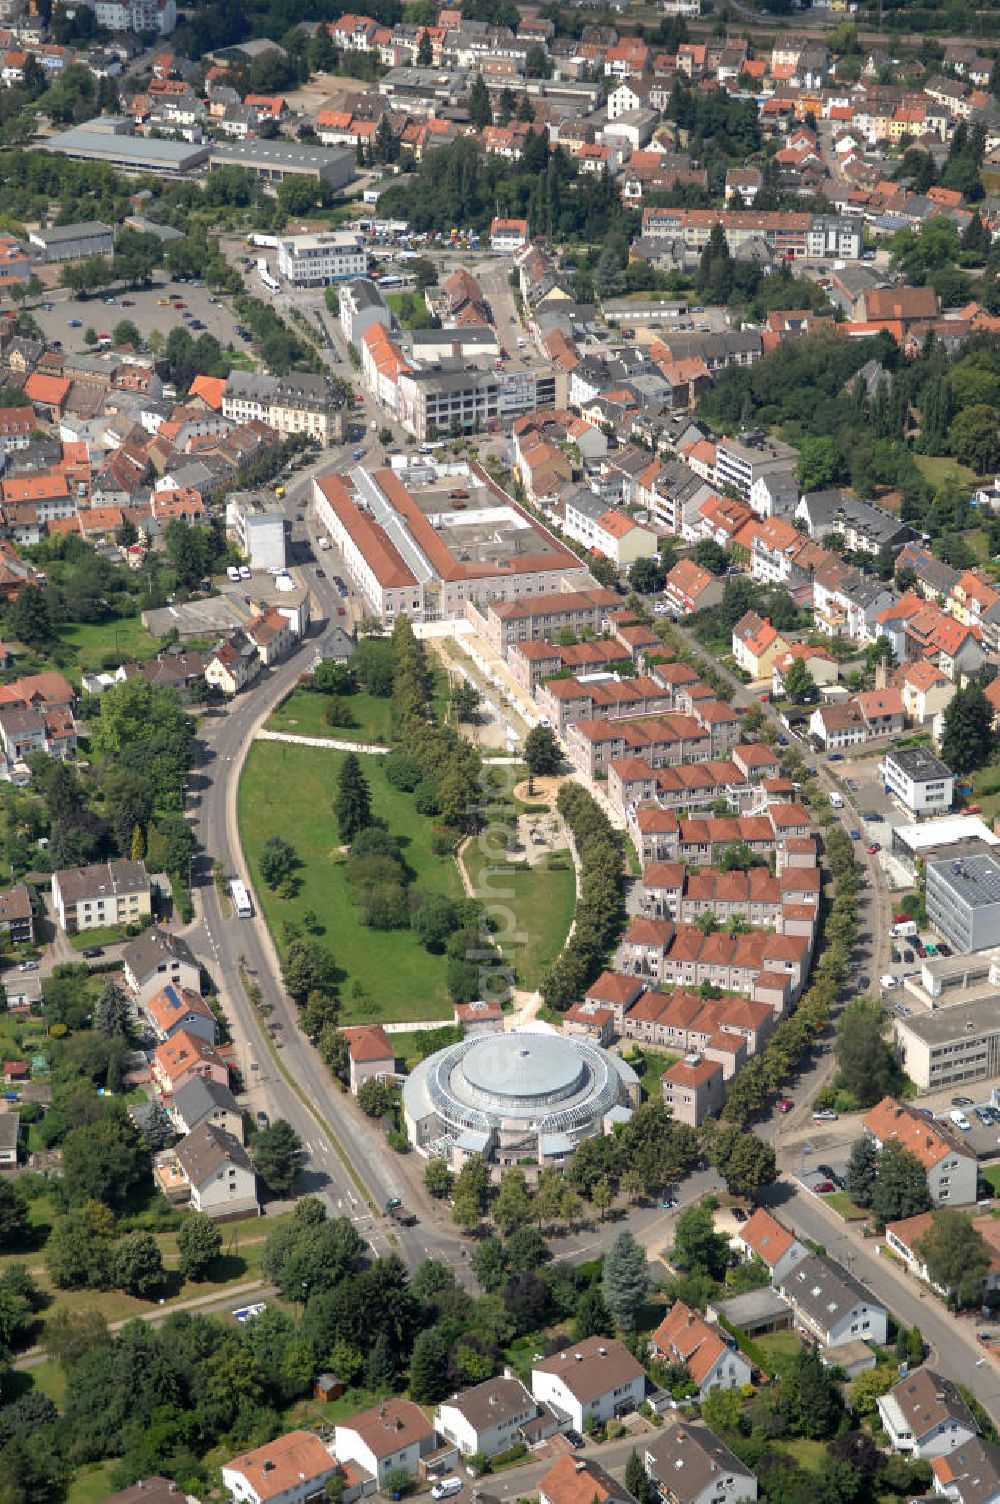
<point x="951" y="1338"/>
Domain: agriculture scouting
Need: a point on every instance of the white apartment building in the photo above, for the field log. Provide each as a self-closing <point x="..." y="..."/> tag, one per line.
<point x="317" y="260"/>
<point x="921" y="782"/>
<point x="740" y="462"/>
<point x="87" y="898"/>
<point x="257" y="522"/>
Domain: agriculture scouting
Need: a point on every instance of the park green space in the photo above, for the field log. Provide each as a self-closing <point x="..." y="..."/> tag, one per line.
<point x="302" y="715"/>
<point x="541" y="899"/>
<point x="289" y="791"/>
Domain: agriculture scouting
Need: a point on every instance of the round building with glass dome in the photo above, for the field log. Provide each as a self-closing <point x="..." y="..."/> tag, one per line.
<point x="522" y="1099"/>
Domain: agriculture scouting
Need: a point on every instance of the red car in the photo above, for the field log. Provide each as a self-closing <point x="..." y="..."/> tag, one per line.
<point x="785" y="1104"/>
<point x="873" y="848"/>
<point x="824" y="1187"/>
<point x="179" y="304"/>
<point x="341" y="611"/>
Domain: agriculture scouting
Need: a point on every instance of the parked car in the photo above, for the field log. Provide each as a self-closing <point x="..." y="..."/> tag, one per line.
<point x="262" y="1119"/>
<point x="824" y="1187"/>
<point x="75" y="323"/>
<point x="447" y="1488"/>
<point x="960" y="1121"/>
<point x="873" y="848"/>
<point x="575" y="1439"/>
<point x="668" y="1204"/>
<point x="245" y="572"/>
<point x="28" y="966"/>
<point x="943" y="949"/>
<point x="785" y="1104"/>
<point x="835" y="757"/>
<point x="908" y="956"/>
<point x="889" y="981"/>
<point x="920" y="948"/>
<point x="739" y="1214"/>
<point x="825" y="1115"/>
<point x="93" y="951"/>
<point x="961" y="1101"/>
<point x="855" y="835"/>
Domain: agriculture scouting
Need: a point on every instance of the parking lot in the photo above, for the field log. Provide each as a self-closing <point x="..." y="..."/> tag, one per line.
<point x="147" y="308"/>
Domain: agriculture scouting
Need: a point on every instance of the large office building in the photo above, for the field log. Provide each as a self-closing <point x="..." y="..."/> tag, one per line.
<point x="318" y="260"/>
<point x="425" y="543"/>
<point x="963" y="900"/>
<point x="456" y="396"/>
<point x="951" y="1047"/>
<point x="517" y="1099"/>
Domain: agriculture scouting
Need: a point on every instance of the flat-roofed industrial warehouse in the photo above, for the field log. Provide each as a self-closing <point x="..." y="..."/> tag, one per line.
<point x="274" y="160"/>
<point x="130" y="153"/>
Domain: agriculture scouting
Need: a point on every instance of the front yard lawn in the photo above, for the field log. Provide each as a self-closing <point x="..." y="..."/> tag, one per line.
<point x="288" y="791"/>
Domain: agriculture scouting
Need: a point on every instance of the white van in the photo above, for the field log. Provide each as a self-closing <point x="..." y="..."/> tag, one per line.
<point x="446" y="1488"/>
<point x="960" y="1121"/>
<point x="906" y="929"/>
<point x="233" y="572"/>
<point x="837" y="800"/>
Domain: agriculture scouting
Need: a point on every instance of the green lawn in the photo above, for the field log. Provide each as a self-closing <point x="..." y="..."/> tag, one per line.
<point x="289" y="791"/>
<point x="107" y="934"/>
<point x="777" y="1349"/>
<point x="92" y="1483"/>
<point x="938" y="468"/>
<point x="986" y="786"/>
<point x="991" y="1174"/>
<point x="92" y="640"/>
<point x="302" y="714"/>
<point x="410" y="1044"/>
<point x="656" y="1062"/>
<point x="844" y="1206"/>
<point x="808" y="1454"/>
<point x="411" y="298"/>
<point x="541" y="901"/>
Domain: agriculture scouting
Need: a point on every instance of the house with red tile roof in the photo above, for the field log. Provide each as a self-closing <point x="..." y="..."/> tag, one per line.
<point x="693" y="1089"/>
<point x="950" y="1167"/>
<point x="711" y="1358"/>
<point x="763" y="1237"/>
<point x="370" y="1054"/>
<point x="756" y="645"/>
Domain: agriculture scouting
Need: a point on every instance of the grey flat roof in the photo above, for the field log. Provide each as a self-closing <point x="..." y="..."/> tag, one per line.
<point x="975" y="879"/>
<point x="84" y="228"/>
<point x="131" y="151"/>
<point x="944" y="1024"/>
<point x="919" y="764"/>
<point x="281" y="153"/>
<point x="753" y="1306"/>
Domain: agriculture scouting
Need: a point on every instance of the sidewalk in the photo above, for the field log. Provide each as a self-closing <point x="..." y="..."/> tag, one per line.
<point x="328" y="743"/>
